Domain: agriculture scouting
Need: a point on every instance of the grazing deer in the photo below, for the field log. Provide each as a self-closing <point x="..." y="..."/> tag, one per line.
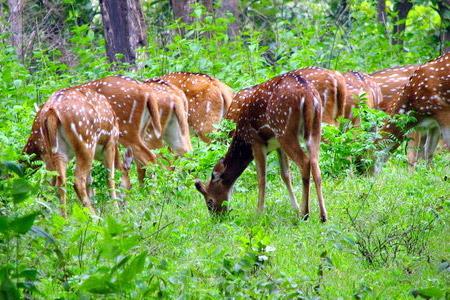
<point x="358" y="83"/>
<point x="172" y="105"/>
<point x="136" y="109"/>
<point x="391" y="82"/>
<point x="274" y="115"/>
<point x="330" y="85"/>
<point x="208" y="100"/>
<point x="427" y="97"/>
<point x="75" y="122"/>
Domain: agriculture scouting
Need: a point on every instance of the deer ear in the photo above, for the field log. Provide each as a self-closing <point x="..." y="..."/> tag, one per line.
<point x="200" y="187"/>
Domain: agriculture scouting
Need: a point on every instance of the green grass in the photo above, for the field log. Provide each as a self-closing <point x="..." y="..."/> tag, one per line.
<point x="185" y="249"/>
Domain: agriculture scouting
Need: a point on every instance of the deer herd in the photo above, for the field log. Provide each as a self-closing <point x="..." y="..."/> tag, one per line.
<point x="90" y="121"/>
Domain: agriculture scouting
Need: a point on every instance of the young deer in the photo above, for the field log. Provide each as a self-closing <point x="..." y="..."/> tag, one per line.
<point x="427" y="97"/>
<point x="172" y="105"/>
<point x="274" y="115"/>
<point x="358" y="83"/>
<point x="208" y="100"/>
<point x="75" y="122"/>
<point x="136" y="109"/>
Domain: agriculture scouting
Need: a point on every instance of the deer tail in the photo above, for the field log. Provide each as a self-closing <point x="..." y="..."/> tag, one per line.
<point x="153" y="109"/>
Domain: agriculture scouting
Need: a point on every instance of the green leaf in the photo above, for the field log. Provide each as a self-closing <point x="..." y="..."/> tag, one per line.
<point x="20" y="189"/>
<point x="135" y="267"/>
<point x="23" y="224"/>
<point x="29" y="274"/>
<point x="4" y="226"/>
<point x="428" y="293"/>
<point x="13" y="167"/>
<point x="8" y="289"/>
<point x="98" y="284"/>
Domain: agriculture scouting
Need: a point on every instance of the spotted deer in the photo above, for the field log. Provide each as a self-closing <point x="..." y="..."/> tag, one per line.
<point x="136" y="109"/>
<point x="275" y="115"/>
<point x="173" y="117"/>
<point x="426" y="96"/>
<point x="358" y="83"/>
<point x="208" y="100"/>
<point x="391" y="82"/>
<point x="330" y="85"/>
<point x="80" y="123"/>
<point x="332" y="89"/>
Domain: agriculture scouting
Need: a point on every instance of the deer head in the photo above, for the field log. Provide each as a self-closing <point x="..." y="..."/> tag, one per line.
<point x="216" y="192"/>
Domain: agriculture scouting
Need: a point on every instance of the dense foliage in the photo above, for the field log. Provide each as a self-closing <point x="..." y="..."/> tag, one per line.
<point x="387" y="236"/>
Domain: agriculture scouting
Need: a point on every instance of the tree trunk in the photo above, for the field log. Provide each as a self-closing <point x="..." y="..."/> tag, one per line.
<point x="402" y="7"/>
<point x="124" y="28"/>
<point x="231" y="6"/>
<point x="16" y="25"/>
<point x="381" y="11"/>
<point x="182" y="9"/>
<point x="444" y="13"/>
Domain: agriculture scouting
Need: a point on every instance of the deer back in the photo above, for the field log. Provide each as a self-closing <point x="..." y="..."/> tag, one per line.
<point x="357" y="83"/>
<point x="71" y="121"/>
<point x="391" y="81"/>
<point x="208" y="98"/>
<point x="332" y="90"/>
<point x="134" y="104"/>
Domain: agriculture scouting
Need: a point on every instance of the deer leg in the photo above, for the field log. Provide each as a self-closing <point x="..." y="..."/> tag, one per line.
<point x="433" y="136"/>
<point x="89" y="188"/>
<point x="108" y="162"/>
<point x="292" y="148"/>
<point x="203" y="137"/>
<point x="260" y="161"/>
<point x="286" y="176"/>
<point x="60" y="183"/>
<point x="124" y="168"/>
<point x="446" y="136"/>
<point x="142" y="153"/>
<point x="313" y="148"/>
<point x="141" y="172"/>
<point x="82" y="170"/>
<point x="414" y="149"/>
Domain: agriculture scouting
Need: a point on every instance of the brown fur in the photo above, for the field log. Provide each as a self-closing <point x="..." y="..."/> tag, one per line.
<point x="427" y="97"/>
<point x="391" y="81"/>
<point x="358" y="83"/>
<point x="208" y="100"/>
<point x="76" y="122"/>
<point x="172" y="105"/>
<point x="332" y="90"/>
<point x="132" y="101"/>
<point x="273" y="115"/>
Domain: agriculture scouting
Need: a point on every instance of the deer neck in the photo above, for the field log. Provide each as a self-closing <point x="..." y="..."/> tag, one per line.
<point x="238" y="157"/>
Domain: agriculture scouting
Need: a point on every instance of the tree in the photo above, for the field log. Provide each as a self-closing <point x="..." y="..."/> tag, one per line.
<point x="16" y="25"/>
<point x="232" y="6"/>
<point x="182" y="9"/>
<point x="402" y="7"/>
<point x="124" y="28"/>
<point x="443" y="9"/>
<point x="381" y="11"/>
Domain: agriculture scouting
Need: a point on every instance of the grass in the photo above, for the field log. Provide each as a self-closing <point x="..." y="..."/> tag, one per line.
<point x="188" y="253"/>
